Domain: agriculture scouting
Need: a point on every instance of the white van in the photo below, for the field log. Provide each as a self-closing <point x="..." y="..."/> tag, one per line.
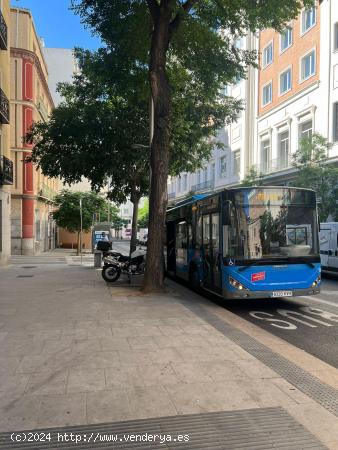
<point x="328" y="241"/>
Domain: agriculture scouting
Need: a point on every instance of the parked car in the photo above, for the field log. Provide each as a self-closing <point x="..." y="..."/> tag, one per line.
<point x="328" y="241"/>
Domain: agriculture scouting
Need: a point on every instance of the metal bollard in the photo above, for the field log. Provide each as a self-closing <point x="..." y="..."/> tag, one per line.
<point x="97" y="258"/>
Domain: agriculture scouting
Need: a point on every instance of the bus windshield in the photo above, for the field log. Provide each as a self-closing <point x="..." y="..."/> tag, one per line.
<point x="268" y="223"/>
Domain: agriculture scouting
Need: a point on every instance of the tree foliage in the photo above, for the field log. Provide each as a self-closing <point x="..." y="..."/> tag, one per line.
<point x="252" y="178"/>
<point x="191" y="38"/>
<point x="143" y="218"/>
<point x="67" y="214"/>
<point x="314" y="171"/>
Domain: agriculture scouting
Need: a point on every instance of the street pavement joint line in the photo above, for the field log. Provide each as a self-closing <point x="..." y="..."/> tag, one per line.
<point x="320" y="392"/>
<point x="260" y="428"/>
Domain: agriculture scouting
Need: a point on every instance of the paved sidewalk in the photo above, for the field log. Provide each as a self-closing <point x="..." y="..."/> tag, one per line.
<point x="74" y="351"/>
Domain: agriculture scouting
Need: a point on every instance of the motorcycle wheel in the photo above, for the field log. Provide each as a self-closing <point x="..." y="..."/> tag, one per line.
<point x="110" y="274"/>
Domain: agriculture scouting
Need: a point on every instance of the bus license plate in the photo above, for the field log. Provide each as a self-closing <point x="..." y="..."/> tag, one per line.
<point x="282" y="294"/>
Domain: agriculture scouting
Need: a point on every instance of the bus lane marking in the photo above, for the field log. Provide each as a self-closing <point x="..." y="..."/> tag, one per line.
<point x="297" y="316"/>
<point x="319" y="300"/>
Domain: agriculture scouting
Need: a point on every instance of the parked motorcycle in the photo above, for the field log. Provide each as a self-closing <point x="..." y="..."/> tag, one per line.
<point x="115" y="264"/>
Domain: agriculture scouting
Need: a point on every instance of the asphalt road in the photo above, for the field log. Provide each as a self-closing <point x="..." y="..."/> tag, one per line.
<point x="309" y="323"/>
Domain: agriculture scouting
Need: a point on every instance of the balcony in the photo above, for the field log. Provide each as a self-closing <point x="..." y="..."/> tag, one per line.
<point x="275" y="165"/>
<point x="4" y="108"/>
<point x="47" y="193"/>
<point x="6" y="171"/>
<point x="3" y="32"/>
<point x="206" y="185"/>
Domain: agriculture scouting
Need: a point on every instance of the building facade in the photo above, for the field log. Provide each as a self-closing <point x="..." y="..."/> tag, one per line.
<point x="62" y="65"/>
<point x="329" y="71"/>
<point x="226" y="166"/>
<point x="33" y="229"/>
<point x="291" y="93"/>
<point x="6" y="164"/>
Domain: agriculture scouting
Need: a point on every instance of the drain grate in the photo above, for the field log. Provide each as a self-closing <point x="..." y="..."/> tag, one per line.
<point x="29" y="267"/>
<point x="322" y="393"/>
<point x="25" y="276"/>
<point x="251" y="429"/>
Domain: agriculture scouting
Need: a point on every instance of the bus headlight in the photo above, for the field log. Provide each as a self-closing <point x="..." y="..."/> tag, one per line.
<point x="317" y="281"/>
<point x="236" y="284"/>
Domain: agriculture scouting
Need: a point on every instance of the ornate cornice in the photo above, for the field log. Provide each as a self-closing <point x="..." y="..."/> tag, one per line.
<point x="33" y="58"/>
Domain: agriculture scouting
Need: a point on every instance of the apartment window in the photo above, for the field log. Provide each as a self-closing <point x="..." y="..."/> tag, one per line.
<point x="285" y="81"/>
<point x="335" y="34"/>
<point x="283" y="150"/>
<point x="223" y="166"/>
<point x="305" y="130"/>
<point x="237" y="80"/>
<point x="268" y="55"/>
<point x="267" y="94"/>
<point x="265" y="155"/>
<point x="37" y="225"/>
<point x="308" y="65"/>
<point x="285" y="39"/>
<point x="239" y="43"/>
<point x="205" y="174"/>
<point x="335" y="124"/>
<point x="225" y="89"/>
<point x="185" y="182"/>
<point x="237" y="162"/>
<point x="198" y="177"/>
<point x="213" y="172"/>
<point x="179" y="184"/>
<point x="308" y="19"/>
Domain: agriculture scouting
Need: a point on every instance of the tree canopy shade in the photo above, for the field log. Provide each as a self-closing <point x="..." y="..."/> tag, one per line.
<point x="316" y="172"/>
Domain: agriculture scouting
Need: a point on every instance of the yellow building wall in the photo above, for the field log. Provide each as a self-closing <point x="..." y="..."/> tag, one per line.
<point x="26" y="47"/>
<point x="5" y="198"/>
<point x="69" y="240"/>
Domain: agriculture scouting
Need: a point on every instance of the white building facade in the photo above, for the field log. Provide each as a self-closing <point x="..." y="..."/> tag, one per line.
<point x="226" y="166"/>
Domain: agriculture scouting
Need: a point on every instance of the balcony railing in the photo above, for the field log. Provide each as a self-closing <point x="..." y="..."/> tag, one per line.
<point x="203" y="186"/>
<point x="3" y="32"/>
<point x="4" y="107"/>
<point x="6" y="170"/>
<point x="47" y="193"/>
<point x="275" y="165"/>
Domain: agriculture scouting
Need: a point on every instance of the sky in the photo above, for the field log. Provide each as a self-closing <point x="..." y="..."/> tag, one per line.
<point x="57" y="25"/>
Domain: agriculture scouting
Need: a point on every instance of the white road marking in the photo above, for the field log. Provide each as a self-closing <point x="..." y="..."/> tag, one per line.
<point x="319" y="300"/>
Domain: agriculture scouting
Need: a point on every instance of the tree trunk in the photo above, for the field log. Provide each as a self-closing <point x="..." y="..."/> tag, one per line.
<point x="153" y="279"/>
<point x="135" y="200"/>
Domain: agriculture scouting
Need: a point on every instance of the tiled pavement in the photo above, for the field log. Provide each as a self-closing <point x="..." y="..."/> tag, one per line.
<point x="74" y="351"/>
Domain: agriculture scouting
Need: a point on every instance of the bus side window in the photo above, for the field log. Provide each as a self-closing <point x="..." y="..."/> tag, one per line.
<point x="225" y="240"/>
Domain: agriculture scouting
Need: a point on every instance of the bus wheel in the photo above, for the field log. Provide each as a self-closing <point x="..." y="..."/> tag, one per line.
<point x="194" y="280"/>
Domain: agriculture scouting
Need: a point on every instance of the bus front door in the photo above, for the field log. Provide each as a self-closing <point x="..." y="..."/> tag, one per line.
<point x="211" y="252"/>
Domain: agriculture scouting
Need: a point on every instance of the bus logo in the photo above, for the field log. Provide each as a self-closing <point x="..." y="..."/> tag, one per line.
<point x="259" y="276"/>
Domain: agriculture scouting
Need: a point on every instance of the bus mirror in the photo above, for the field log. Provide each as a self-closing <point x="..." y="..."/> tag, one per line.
<point x="227" y="213"/>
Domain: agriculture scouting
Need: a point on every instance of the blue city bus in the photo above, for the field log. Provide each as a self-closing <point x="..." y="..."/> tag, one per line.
<point x="246" y="242"/>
